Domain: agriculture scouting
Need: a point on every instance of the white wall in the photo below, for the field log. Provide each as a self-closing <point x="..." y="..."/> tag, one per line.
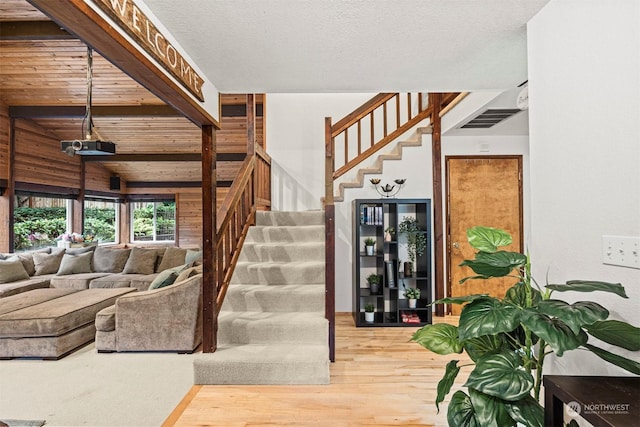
<point x="295" y="141"/>
<point x="584" y="93"/>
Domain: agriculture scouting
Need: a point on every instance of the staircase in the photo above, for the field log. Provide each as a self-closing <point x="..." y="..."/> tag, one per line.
<point x="272" y="327"/>
<point x="377" y="167"/>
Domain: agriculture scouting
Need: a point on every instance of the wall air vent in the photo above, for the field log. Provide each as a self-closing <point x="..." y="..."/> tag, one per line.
<point x="489" y="118"/>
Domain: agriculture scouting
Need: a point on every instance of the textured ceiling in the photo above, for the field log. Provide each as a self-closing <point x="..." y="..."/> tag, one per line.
<point x="353" y="46"/>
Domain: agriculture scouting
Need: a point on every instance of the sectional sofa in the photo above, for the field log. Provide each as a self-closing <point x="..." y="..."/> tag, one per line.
<point x="54" y="300"/>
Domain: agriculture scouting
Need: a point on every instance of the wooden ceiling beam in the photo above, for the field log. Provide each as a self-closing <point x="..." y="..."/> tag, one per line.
<point x="174" y="184"/>
<point x="78" y="17"/>
<point x="33" y="30"/>
<point x="176" y="157"/>
<point x="77" y="111"/>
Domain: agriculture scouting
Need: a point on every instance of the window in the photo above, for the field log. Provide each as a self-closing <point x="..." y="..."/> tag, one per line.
<point x="153" y="221"/>
<point x="101" y="220"/>
<point x="38" y="221"/>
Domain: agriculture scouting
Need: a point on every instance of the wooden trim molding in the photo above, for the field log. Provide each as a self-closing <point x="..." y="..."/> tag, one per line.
<point x="33" y="30"/>
<point x="79" y="18"/>
<point x="77" y="111"/>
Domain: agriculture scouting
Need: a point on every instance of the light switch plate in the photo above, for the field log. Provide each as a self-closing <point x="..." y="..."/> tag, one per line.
<point x="621" y="250"/>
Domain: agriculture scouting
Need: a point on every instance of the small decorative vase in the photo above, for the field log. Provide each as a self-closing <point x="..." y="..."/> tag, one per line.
<point x="374" y="288"/>
<point x="370" y="250"/>
<point x="369" y="316"/>
<point x="408" y="269"/>
<point x="387" y="237"/>
<point x="412" y="303"/>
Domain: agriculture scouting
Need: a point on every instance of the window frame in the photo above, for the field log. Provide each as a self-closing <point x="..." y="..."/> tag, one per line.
<point x="155" y="201"/>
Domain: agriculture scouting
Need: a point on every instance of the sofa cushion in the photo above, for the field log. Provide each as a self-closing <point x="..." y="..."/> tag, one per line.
<point x="12" y="270"/>
<point x="58" y="316"/>
<point x="106" y="319"/>
<point x="76" y="281"/>
<point x="119" y="280"/>
<point x="33" y="297"/>
<point x="188" y="272"/>
<point x="141" y="261"/>
<point x="47" y="263"/>
<point x="13" y="288"/>
<point x="172" y="257"/>
<point x="75" y="264"/>
<point x="110" y="260"/>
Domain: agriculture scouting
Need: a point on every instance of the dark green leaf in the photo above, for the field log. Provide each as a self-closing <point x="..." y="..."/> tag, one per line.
<point x="488" y="239"/>
<point x="590" y="286"/>
<point x="498" y="264"/>
<point x="554" y="331"/>
<point x="444" y="386"/>
<point x="573" y="423"/>
<point x="487" y="316"/>
<point x="481" y="346"/>
<point x="622" y="362"/>
<point x="501" y="375"/>
<point x="441" y="338"/>
<point x="520" y="336"/>
<point x="617" y="333"/>
<point x="459" y="300"/>
<point x="517" y="295"/>
<point x="575" y="315"/>
<point x="490" y="411"/>
<point x="526" y="411"/>
<point x="460" y="412"/>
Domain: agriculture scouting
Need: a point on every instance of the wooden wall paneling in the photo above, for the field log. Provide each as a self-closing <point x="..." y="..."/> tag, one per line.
<point x="125" y="223"/>
<point x="38" y="158"/>
<point x="97" y="178"/>
<point x="4" y="141"/>
<point x="189" y="208"/>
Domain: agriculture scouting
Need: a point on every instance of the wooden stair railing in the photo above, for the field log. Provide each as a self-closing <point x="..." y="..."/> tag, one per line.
<point x="250" y="191"/>
<point x="406" y="115"/>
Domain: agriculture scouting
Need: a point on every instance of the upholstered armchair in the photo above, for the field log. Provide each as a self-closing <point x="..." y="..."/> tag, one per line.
<point x="162" y="319"/>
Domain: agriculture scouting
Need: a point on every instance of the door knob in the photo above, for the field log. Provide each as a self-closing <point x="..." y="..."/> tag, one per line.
<point x="456" y="245"/>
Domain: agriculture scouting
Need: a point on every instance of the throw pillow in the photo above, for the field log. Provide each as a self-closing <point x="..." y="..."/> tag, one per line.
<point x="188" y="272"/>
<point x="141" y="261"/>
<point x="47" y="263"/>
<point x="27" y="260"/>
<point x="193" y="255"/>
<point x="163" y="276"/>
<point x="110" y="260"/>
<point x="12" y="270"/>
<point x="172" y="257"/>
<point x="78" y="251"/>
<point x="75" y="264"/>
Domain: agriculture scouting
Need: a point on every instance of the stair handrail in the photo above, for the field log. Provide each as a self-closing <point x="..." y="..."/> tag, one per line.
<point x="250" y="191"/>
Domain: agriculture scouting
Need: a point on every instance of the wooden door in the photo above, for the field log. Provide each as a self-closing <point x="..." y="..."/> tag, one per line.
<point x="481" y="191"/>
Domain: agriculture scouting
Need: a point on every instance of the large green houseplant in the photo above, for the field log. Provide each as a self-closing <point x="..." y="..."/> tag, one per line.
<point x="508" y="339"/>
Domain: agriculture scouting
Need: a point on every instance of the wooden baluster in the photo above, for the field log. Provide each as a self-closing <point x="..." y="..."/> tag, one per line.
<point x="346" y="146"/>
<point x="372" y="130"/>
<point x="397" y="110"/>
<point x="409" y="115"/>
<point x="359" y="137"/>
<point x="420" y="102"/>
<point x="384" y="117"/>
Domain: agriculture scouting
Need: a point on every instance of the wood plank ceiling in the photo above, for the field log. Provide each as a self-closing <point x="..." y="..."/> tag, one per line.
<point x="44" y="66"/>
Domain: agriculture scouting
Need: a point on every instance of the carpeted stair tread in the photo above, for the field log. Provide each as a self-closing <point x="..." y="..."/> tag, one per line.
<point x="290" y="218"/>
<point x="264" y="327"/>
<point x="282" y="252"/>
<point x="301" y="272"/>
<point x="264" y="364"/>
<point x="305" y="233"/>
<point x="274" y="298"/>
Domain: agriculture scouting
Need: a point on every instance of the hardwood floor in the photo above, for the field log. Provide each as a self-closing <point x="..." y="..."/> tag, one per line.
<point x="379" y="378"/>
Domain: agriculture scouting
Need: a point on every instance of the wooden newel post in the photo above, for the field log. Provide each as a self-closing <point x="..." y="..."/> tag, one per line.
<point x="209" y="241"/>
<point x="251" y="146"/>
<point x="330" y="244"/>
<point x="435" y="100"/>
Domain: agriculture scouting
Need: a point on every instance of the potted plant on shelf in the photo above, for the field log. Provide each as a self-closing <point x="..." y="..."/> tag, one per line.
<point x="388" y="234"/>
<point x="412" y="294"/>
<point x="369" y="314"/>
<point x="374" y="283"/>
<point x="508" y="339"/>
<point x="416" y="242"/>
<point x="369" y="245"/>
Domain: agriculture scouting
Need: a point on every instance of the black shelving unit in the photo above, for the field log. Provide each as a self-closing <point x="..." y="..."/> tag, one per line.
<point x="371" y="217"/>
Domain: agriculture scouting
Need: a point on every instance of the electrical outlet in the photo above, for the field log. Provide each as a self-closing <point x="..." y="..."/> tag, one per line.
<point x="621" y="250"/>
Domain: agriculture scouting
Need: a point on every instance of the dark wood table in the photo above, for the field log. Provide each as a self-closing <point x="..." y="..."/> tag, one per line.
<point x="602" y="401"/>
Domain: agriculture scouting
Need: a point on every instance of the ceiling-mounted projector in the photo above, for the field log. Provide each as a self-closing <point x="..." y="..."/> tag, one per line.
<point x="88" y="147"/>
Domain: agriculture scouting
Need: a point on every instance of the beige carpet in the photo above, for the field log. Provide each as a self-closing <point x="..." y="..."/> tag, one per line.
<point x="91" y="389"/>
